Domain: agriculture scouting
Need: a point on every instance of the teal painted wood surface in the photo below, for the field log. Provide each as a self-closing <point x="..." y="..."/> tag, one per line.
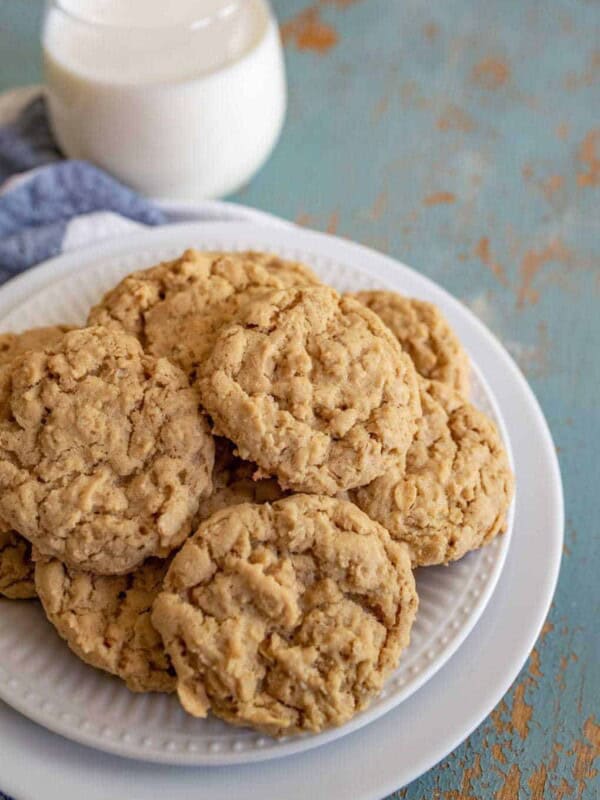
<point x="463" y="137"/>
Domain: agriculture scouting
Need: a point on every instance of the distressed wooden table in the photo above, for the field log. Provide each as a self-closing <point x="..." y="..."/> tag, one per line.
<point x="460" y="137"/>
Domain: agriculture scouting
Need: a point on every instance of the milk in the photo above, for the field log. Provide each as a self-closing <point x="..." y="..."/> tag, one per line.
<point x="182" y="99"/>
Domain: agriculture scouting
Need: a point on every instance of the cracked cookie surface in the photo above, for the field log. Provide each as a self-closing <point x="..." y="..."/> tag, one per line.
<point x="453" y="493"/>
<point x="313" y="388"/>
<point x="106" y="620"/>
<point x="13" y="344"/>
<point x="176" y="308"/>
<point x="16" y="567"/>
<point x="424" y="334"/>
<point x="286" y="617"/>
<point x="104" y="453"/>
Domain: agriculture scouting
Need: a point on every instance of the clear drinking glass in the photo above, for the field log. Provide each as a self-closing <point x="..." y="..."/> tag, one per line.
<point x="181" y="100"/>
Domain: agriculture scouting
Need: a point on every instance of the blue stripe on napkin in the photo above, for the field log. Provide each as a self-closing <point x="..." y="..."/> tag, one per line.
<point x="36" y="211"/>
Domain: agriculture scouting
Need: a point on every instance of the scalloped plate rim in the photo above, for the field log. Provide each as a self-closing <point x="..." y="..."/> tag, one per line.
<point x="60" y="268"/>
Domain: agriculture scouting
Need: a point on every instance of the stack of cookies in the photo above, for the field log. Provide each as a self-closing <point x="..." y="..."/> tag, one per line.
<point x="222" y="485"/>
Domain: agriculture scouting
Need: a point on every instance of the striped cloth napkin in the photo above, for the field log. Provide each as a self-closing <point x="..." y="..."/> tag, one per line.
<point x="49" y="204"/>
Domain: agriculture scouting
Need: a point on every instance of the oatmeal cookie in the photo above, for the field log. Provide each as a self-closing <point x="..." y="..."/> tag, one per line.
<point x="106" y="620"/>
<point x="13" y="344"/>
<point x="425" y="334"/>
<point x="452" y="494"/>
<point x="286" y="617"/>
<point x="176" y="308"/>
<point x="104" y="453"/>
<point x="313" y="388"/>
<point x="16" y="567"/>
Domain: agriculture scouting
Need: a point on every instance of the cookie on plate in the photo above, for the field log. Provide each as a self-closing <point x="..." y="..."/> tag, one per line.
<point x="106" y="620"/>
<point x="104" y="453"/>
<point x="16" y="567"/>
<point x="453" y="492"/>
<point x="424" y="333"/>
<point x="313" y="388"/>
<point x="13" y="344"/>
<point x="234" y="483"/>
<point x="286" y="617"/>
<point x="175" y="308"/>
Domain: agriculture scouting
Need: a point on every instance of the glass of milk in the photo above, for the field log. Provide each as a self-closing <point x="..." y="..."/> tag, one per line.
<point x="179" y="99"/>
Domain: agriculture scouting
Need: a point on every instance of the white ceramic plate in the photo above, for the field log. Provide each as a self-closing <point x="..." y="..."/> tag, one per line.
<point x="409" y="739"/>
<point x="38" y="674"/>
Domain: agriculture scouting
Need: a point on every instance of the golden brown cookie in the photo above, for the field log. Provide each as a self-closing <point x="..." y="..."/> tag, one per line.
<point x="453" y="494"/>
<point x="106" y="620"/>
<point x="175" y="308"/>
<point x="104" y="454"/>
<point x="286" y="617"/>
<point x="424" y="333"/>
<point x="13" y="344"/>
<point x="313" y="388"/>
<point x="234" y="483"/>
<point x="16" y="567"/>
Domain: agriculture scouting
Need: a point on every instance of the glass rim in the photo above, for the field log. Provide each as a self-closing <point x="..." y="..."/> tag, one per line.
<point x="194" y="25"/>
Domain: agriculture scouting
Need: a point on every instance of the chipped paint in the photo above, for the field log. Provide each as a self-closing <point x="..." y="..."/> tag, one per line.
<point x="547" y="629"/>
<point x="498" y="753"/>
<point x="490" y="73"/>
<point x="534" y="664"/>
<point x="551" y="185"/>
<point x="408" y="93"/>
<point x="381" y="107"/>
<point x="308" y="31"/>
<point x="333" y="222"/>
<point x="521" y="712"/>
<point x="431" y="31"/>
<point x="483" y="253"/>
<point x="341" y="3"/>
<point x="562" y="790"/>
<point x="454" y="118"/>
<point x="587" y="750"/>
<point x="588" y="155"/>
<point x="532" y="263"/>
<point x="471" y="773"/>
<point x="527" y="172"/>
<point x="537" y="782"/>
<point x="439" y="198"/>
<point x="511" y="786"/>
<point x="309" y="221"/>
<point x="379" y="206"/>
<point x="497" y="717"/>
<point x="304" y="220"/>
